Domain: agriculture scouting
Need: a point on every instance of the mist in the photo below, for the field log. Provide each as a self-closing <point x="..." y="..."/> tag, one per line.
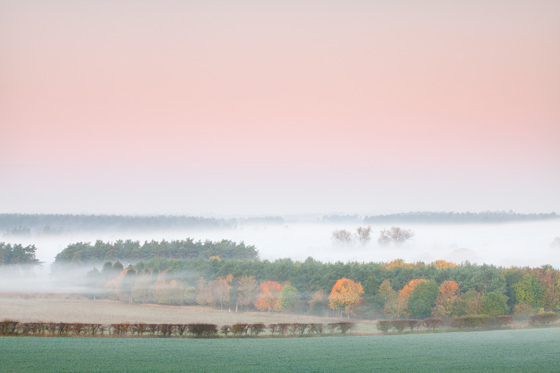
<point x="502" y="244"/>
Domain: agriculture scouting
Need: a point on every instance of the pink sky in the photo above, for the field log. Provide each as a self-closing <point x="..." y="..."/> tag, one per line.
<point x="249" y="107"/>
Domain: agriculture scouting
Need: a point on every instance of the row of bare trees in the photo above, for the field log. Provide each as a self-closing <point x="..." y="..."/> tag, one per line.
<point x="393" y="235"/>
<point x="12" y="327"/>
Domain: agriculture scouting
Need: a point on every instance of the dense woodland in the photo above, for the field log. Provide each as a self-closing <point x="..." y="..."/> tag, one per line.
<point x="133" y="251"/>
<point x="368" y="290"/>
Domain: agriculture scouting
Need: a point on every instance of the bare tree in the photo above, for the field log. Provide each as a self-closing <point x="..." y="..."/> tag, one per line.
<point x="396" y="235"/>
<point x="342" y="236"/>
<point x="364" y="234"/>
<point x="555" y="242"/>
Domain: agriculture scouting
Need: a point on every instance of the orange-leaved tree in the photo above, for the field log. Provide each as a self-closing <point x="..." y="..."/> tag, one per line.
<point x="397" y="306"/>
<point x="268" y="296"/>
<point x="448" y="295"/>
<point x="409" y="288"/>
<point x="345" y="295"/>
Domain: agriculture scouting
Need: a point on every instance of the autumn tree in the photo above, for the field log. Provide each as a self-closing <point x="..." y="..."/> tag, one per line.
<point x="345" y="295"/>
<point x="470" y="303"/>
<point x="246" y="291"/>
<point x="221" y="288"/>
<point x="448" y="295"/>
<point x="441" y="264"/>
<point x="268" y="296"/>
<point x="397" y="305"/>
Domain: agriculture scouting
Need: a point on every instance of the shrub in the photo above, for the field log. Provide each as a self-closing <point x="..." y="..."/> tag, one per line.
<point x="225" y="329"/>
<point x="203" y="330"/>
<point x="94" y="328"/>
<point x="316" y="328"/>
<point x="239" y="328"/>
<point x="166" y="329"/>
<point x="543" y="318"/>
<point x="63" y="328"/>
<point x="432" y="323"/>
<point x="345" y="326"/>
<point x="273" y="328"/>
<point x="283" y="328"/>
<point x="471" y="321"/>
<point x="153" y="328"/>
<point x="181" y="328"/>
<point x="79" y="327"/>
<point x="256" y="329"/>
<point x="412" y="324"/>
<point x="399" y="324"/>
<point x="51" y="327"/>
<point x="504" y="320"/>
<point x="139" y="328"/>
<point x="384" y="325"/>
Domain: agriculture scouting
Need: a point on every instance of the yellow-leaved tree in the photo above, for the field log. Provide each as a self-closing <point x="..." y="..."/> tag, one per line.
<point x="345" y="295"/>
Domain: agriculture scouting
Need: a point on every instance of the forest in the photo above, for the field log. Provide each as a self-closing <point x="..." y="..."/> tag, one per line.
<point x="229" y="275"/>
<point x="133" y="251"/>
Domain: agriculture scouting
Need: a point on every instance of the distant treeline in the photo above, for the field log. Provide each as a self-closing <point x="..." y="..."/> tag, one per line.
<point x="49" y="224"/>
<point x="459" y="217"/>
<point x="133" y="251"/>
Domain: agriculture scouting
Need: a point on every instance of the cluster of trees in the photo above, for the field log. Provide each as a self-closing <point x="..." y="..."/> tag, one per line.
<point x="394" y="290"/>
<point x="133" y="251"/>
<point x="13" y="327"/>
<point x="18" y="255"/>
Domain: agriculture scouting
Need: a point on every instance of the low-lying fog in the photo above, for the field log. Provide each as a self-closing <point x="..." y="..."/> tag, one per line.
<point x="511" y="244"/>
<point x="517" y="244"/>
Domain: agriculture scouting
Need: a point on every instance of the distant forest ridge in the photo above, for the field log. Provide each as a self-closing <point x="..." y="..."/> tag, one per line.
<point x="53" y="224"/>
<point x="444" y="217"/>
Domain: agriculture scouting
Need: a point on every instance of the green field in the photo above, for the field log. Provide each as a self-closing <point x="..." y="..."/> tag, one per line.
<point x="509" y="350"/>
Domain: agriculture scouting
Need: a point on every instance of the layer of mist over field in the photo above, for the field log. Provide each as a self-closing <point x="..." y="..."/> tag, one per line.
<point x="506" y="244"/>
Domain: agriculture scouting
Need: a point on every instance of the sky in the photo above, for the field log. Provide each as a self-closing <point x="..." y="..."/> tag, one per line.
<point x="279" y="107"/>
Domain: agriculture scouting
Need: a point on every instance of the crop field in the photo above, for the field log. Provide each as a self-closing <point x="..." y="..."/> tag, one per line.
<point x="506" y="350"/>
<point x="105" y="311"/>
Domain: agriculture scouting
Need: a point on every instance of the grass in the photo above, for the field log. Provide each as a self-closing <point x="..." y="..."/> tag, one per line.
<point x="504" y="350"/>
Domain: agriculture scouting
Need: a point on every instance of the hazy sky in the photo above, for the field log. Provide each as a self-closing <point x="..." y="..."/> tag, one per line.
<point x="277" y="107"/>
